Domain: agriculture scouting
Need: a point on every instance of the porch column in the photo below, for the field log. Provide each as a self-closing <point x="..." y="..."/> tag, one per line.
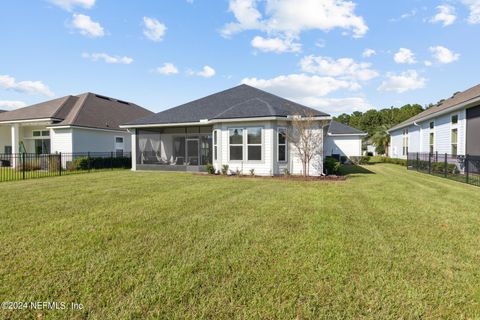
<point x="15" y="143"/>
<point x="133" y="149"/>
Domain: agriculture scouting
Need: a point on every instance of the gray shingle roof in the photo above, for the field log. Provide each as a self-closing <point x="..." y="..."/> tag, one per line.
<point x="340" y="128"/>
<point x="242" y="101"/>
<point x="85" y="110"/>
<point x="451" y="102"/>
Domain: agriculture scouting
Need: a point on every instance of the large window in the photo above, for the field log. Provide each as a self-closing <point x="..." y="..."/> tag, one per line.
<point x="236" y="144"/>
<point x="254" y="144"/>
<point x="405" y="142"/>
<point x="282" y="144"/>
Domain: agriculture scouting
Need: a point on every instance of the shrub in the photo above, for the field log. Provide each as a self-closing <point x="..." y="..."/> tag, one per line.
<point x="332" y="165"/>
<point x="343" y="159"/>
<point x="210" y="168"/>
<point x="286" y="171"/>
<point x="85" y="163"/>
<point x="252" y="172"/>
<point x="360" y="160"/>
<point x="225" y="169"/>
<point x="29" y="165"/>
<point x="238" y="172"/>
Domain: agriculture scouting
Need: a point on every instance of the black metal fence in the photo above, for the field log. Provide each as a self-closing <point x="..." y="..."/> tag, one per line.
<point x="463" y="168"/>
<point x="21" y="166"/>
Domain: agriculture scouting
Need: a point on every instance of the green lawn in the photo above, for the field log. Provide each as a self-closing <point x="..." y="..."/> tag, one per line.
<point x="385" y="244"/>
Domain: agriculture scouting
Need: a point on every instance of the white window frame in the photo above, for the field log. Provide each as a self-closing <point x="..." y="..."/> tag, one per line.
<point x="215" y="145"/>
<point x="454" y="126"/>
<point x="41" y="135"/>
<point x="116" y="144"/>
<point x="282" y="144"/>
<point x="254" y="144"/>
<point x="405" y="142"/>
<point x="236" y="145"/>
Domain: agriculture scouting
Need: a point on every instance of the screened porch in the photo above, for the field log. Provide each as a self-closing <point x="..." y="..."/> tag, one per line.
<point x="174" y="148"/>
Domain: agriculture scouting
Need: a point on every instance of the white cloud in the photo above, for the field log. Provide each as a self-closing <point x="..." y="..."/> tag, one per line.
<point x="69" y="5"/>
<point x="446" y="15"/>
<point x="10" y="104"/>
<point x="337" y="105"/>
<point x="344" y="67"/>
<point x="367" y="53"/>
<point x="30" y="87"/>
<point x="276" y="45"/>
<point x="291" y="17"/>
<point x="87" y="26"/>
<point x="405" y="55"/>
<point x="300" y="85"/>
<point x="107" y="58"/>
<point x="167" y="69"/>
<point x="405" y="81"/>
<point x="474" y="7"/>
<point x="444" y="55"/>
<point x="154" y="29"/>
<point x="206" y="72"/>
<point x="427" y="63"/>
<point x="404" y="16"/>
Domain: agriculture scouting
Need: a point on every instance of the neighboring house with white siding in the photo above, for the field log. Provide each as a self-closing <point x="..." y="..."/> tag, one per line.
<point x="242" y="127"/>
<point x="71" y="124"/>
<point x="452" y="127"/>
<point x="343" y="141"/>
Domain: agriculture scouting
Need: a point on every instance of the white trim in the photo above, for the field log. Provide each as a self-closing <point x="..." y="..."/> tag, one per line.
<point x="346" y="134"/>
<point x="430" y="131"/>
<point x="236" y="145"/>
<point x="86" y="128"/>
<point x="28" y="120"/>
<point x="283" y="144"/>
<point x="255" y="144"/>
<point x="213" y="121"/>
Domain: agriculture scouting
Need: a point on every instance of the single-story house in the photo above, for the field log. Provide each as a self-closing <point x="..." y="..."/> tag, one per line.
<point x="451" y="127"/>
<point x="242" y="127"/>
<point x="84" y="123"/>
<point x="343" y="140"/>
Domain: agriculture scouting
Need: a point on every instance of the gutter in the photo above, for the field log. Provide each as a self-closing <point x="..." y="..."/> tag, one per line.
<point x="439" y="113"/>
<point x="205" y="122"/>
<point x="347" y="134"/>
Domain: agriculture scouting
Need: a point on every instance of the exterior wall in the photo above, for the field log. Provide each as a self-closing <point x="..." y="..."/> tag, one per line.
<point x="419" y="136"/>
<point x="5" y="137"/>
<point x="88" y="140"/>
<point x="61" y="140"/>
<point x="348" y="146"/>
<point x="269" y="165"/>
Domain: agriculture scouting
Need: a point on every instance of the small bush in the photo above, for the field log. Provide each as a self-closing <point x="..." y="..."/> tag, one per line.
<point x="332" y="166"/>
<point x="252" y="172"/>
<point x="85" y="163"/>
<point x="286" y="171"/>
<point x="210" y="168"/>
<point x="225" y="169"/>
<point x="360" y="160"/>
<point x="29" y="165"/>
<point x="238" y="172"/>
<point x="343" y="159"/>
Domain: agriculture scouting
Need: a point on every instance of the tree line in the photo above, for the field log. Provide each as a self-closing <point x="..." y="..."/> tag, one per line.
<point x="376" y="122"/>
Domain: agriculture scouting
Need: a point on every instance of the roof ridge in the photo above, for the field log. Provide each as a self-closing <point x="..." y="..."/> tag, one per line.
<point x="269" y="106"/>
<point x="80" y="107"/>
<point x="235" y="105"/>
<point x="62" y="105"/>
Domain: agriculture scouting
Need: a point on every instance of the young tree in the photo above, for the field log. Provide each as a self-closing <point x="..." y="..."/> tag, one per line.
<point x="306" y="137"/>
<point x="381" y="140"/>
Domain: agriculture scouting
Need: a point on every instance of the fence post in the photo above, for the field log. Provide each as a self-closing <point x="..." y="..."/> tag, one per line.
<point x="60" y="164"/>
<point x="429" y="163"/>
<point x="467" y="169"/>
<point x="111" y="160"/>
<point x="88" y="161"/>
<point x="23" y="165"/>
<point x="446" y="165"/>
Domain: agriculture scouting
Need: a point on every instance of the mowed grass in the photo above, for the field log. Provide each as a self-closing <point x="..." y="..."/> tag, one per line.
<point x="389" y="244"/>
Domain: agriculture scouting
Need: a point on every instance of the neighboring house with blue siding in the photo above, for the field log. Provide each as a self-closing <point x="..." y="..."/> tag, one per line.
<point x="452" y="127"/>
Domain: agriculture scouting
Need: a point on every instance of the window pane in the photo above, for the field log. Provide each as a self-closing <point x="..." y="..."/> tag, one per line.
<point x="431" y="149"/>
<point x="282" y="136"/>
<point x="236" y="153"/>
<point x="254" y="135"/>
<point x="455" y="119"/>
<point x="454" y="149"/>
<point x="454" y="135"/>
<point x="254" y="153"/>
<point x="431" y="138"/>
<point x="36" y="133"/>
<point x="432" y="125"/>
<point x="215" y="138"/>
<point x="282" y="153"/>
<point x="119" y="140"/>
<point x="46" y="133"/>
<point x="236" y="136"/>
<point x="215" y="153"/>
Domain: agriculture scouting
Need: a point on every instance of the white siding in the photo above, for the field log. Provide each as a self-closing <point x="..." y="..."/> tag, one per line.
<point x="88" y="140"/>
<point x="396" y="144"/>
<point x="413" y="139"/>
<point x="349" y="146"/>
<point x="5" y="137"/>
<point x="61" y="140"/>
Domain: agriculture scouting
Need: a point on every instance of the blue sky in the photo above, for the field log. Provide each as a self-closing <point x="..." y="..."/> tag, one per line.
<point x="334" y="55"/>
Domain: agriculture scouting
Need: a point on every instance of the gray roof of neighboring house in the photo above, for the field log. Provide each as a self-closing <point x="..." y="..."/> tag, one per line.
<point x="455" y="100"/>
<point x="340" y="128"/>
<point x="85" y="110"/>
<point x="3" y="111"/>
<point x="242" y="101"/>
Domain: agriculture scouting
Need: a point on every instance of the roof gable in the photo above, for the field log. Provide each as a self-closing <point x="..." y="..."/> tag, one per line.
<point x="242" y="101"/>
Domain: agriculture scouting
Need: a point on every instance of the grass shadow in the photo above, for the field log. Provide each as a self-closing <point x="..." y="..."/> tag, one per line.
<point x="350" y="169"/>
